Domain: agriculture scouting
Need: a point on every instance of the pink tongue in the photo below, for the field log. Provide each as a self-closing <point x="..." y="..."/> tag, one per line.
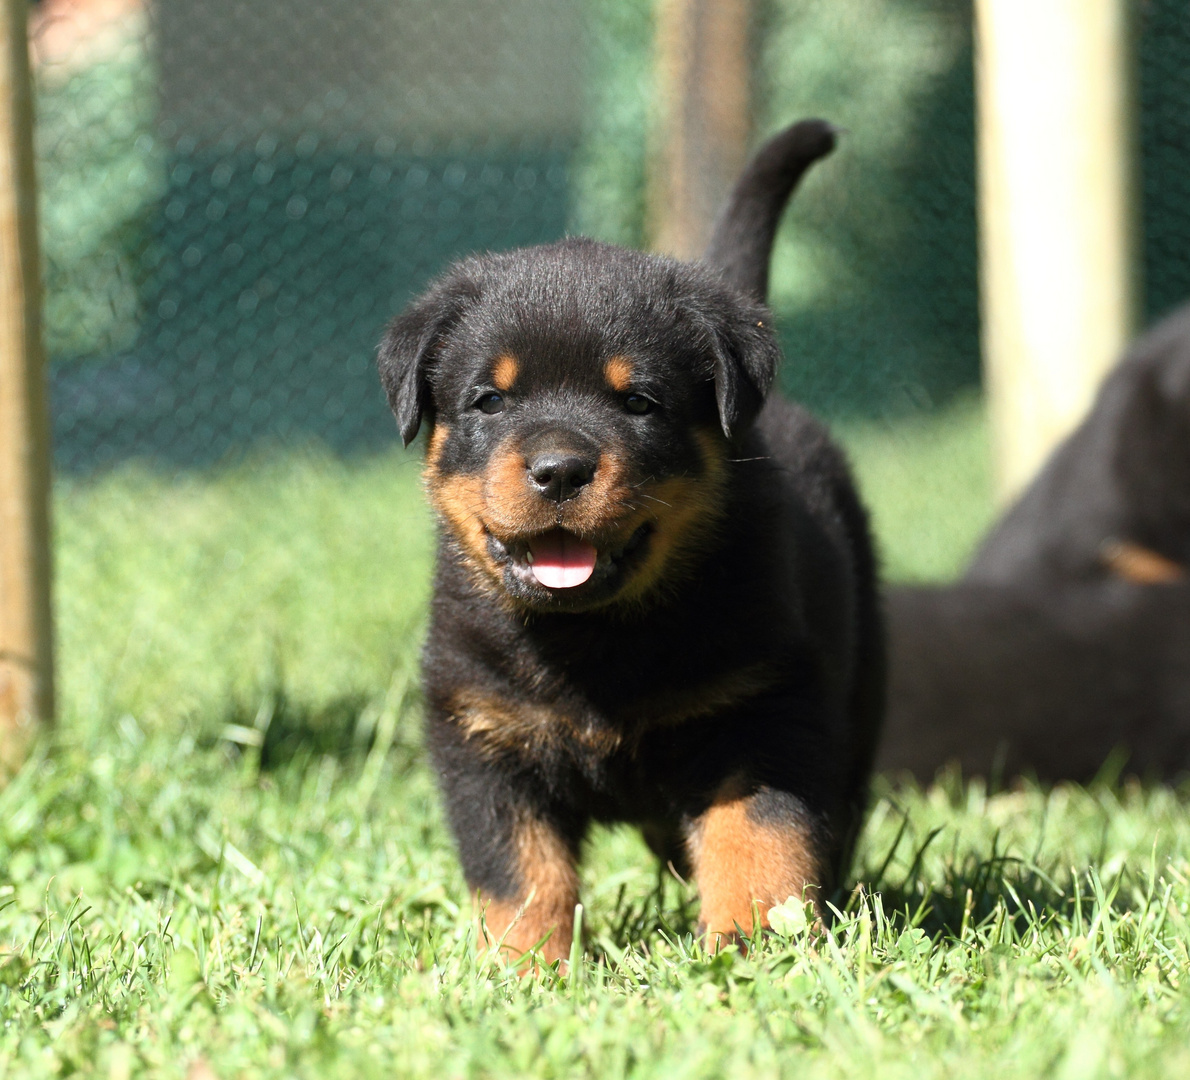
<point x="560" y="560"/>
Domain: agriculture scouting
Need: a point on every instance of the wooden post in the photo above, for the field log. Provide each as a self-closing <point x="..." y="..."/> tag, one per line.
<point x="26" y="641"/>
<point x="1058" y="273"/>
<point x="704" y="69"/>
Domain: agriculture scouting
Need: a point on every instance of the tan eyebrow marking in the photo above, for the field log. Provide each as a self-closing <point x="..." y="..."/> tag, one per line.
<point x="505" y="371"/>
<point x="618" y="372"/>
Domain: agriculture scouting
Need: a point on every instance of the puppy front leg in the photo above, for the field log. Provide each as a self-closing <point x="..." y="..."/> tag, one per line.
<point x="536" y="896"/>
<point x="751" y="848"/>
<point x="518" y="849"/>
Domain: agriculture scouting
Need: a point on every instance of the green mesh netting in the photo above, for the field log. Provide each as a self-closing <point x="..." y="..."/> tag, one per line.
<point x="237" y="196"/>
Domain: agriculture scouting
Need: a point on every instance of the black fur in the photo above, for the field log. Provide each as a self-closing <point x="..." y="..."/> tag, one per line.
<point x="1046" y="680"/>
<point x="615" y="300"/>
<point x="410" y="346"/>
<point x="767" y="589"/>
<point x="743" y="235"/>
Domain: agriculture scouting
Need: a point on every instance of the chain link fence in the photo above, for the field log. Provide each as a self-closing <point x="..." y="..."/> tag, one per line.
<point x="236" y="197"/>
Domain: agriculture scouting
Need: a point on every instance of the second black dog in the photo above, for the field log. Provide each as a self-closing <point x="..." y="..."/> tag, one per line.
<point x="1068" y="640"/>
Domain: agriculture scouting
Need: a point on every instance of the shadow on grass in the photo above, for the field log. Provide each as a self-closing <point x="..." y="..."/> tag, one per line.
<point x="1012" y="892"/>
<point x="298" y="732"/>
<point x="290" y="734"/>
<point x="975" y="892"/>
<point x="971" y="893"/>
<point x="669" y="909"/>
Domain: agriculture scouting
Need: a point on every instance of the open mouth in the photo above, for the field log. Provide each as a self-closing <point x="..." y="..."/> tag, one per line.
<point x="559" y="560"/>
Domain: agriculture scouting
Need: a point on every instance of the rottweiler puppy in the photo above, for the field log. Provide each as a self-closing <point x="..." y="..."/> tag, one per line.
<point x="655" y="595"/>
<point x="1114" y="498"/>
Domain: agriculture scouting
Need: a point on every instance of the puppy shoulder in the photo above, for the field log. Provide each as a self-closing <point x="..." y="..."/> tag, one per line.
<point x="802" y="447"/>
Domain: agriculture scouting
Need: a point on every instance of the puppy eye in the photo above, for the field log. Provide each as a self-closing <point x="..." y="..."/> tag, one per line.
<point x="637" y="403"/>
<point x="490" y="404"/>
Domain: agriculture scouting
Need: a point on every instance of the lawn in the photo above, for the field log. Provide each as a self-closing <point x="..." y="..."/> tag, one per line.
<point x="231" y="861"/>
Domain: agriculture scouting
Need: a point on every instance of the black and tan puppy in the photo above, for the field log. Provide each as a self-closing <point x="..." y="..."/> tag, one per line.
<point x="655" y="597"/>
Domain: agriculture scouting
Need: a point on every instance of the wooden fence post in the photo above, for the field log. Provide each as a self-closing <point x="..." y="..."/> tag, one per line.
<point x="1058" y="272"/>
<point x="26" y="639"/>
<point x="704" y="70"/>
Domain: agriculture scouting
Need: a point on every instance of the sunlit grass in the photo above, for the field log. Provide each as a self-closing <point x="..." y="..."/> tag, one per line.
<point x="178" y="596"/>
<point x="167" y="904"/>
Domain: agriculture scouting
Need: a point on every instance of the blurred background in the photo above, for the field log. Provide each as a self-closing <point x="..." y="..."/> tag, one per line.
<point x="236" y="197"/>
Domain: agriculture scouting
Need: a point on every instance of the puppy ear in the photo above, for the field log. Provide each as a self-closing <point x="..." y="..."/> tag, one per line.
<point x="745" y="354"/>
<point x="410" y="347"/>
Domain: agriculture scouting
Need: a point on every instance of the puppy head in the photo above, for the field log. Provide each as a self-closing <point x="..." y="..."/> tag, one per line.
<point x="582" y="402"/>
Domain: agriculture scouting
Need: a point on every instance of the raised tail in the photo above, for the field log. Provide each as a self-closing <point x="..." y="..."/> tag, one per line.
<point x="742" y="242"/>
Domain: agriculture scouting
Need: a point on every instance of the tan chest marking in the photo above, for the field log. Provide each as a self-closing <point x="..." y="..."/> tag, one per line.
<point x="500" y="725"/>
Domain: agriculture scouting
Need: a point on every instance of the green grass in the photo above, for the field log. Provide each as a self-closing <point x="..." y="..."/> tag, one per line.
<point x="927" y="481"/>
<point x="180" y="599"/>
<point x="166" y="901"/>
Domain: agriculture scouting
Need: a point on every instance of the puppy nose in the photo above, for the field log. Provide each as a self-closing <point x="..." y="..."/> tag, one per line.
<point x="560" y="476"/>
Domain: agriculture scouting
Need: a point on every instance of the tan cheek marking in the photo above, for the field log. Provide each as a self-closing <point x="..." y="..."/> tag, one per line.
<point x="738" y="861"/>
<point x="685" y="512"/>
<point x="515" y="509"/>
<point x="606" y="503"/>
<point x="463" y="501"/>
<point x="549" y="892"/>
<point x="618" y="372"/>
<point x="459" y="500"/>
<point x="505" y="371"/>
<point x="1139" y="565"/>
<point x="438" y="438"/>
<point x="510" y="502"/>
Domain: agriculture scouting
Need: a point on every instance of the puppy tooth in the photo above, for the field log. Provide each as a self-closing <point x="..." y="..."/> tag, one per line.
<point x="529" y="557"/>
